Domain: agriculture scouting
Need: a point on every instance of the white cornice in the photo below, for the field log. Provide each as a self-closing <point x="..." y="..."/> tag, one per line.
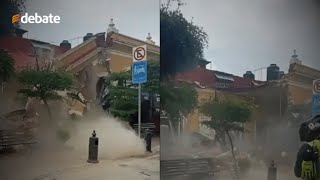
<point x="119" y="36"/>
<point x="133" y="45"/>
<point x="84" y="59"/>
<point x="297" y="84"/>
<point x="75" y="48"/>
<point x="307" y="75"/>
<point x="119" y="53"/>
<point x="299" y="68"/>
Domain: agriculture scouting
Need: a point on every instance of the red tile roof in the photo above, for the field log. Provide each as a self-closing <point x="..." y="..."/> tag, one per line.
<point x="204" y="76"/>
<point x="240" y="82"/>
<point x="58" y="50"/>
<point x="21" y="50"/>
<point x="208" y="78"/>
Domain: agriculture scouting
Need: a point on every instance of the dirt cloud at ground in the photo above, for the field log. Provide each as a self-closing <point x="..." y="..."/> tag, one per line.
<point x="115" y="139"/>
<point x="262" y="173"/>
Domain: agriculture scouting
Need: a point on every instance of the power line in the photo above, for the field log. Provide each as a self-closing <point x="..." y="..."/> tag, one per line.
<point x="261" y="70"/>
<point x="70" y="40"/>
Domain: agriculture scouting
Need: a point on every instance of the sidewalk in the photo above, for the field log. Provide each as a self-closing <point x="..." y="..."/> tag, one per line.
<point x="136" y="169"/>
<point x="68" y="165"/>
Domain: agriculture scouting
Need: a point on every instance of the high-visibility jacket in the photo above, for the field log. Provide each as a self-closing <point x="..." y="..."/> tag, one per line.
<point x="307" y="165"/>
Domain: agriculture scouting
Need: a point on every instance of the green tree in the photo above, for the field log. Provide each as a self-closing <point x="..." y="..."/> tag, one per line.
<point x="228" y="116"/>
<point x="44" y="83"/>
<point x="8" y="8"/>
<point x="182" y="42"/>
<point x="182" y="46"/>
<point x="6" y="67"/>
<point x="180" y="100"/>
<point x="124" y="95"/>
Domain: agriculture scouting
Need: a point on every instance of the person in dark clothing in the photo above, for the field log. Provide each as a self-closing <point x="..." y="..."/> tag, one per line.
<point x="307" y="163"/>
<point x="148" y="139"/>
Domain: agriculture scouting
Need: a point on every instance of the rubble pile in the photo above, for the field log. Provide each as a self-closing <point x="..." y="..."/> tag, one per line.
<point x="21" y="119"/>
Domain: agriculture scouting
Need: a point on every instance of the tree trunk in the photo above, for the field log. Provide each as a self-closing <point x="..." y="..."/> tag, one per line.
<point x="172" y="130"/>
<point x="48" y="109"/>
<point x="37" y="62"/>
<point x="233" y="155"/>
<point x="221" y="139"/>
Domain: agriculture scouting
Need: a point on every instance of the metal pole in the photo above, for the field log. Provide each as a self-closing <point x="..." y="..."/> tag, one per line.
<point x="139" y="112"/>
<point x="272" y="171"/>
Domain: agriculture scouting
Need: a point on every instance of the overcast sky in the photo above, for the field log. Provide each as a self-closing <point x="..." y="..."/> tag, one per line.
<point x="250" y="34"/>
<point x="134" y="18"/>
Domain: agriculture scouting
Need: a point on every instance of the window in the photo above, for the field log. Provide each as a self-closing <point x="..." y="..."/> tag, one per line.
<point x="86" y="76"/>
<point x="224" y="77"/>
<point x="46" y="50"/>
<point x="222" y="85"/>
<point x="204" y="118"/>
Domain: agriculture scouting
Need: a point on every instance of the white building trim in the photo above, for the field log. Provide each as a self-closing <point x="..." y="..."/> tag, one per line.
<point x="119" y="53"/>
<point x="297" y="84"/>
<point x="312" y="77"/>
<point x="134" y="45"/>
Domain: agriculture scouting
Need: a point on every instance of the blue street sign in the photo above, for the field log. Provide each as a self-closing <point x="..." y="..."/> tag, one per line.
<point x="315" y="104"/>
<point x="139" y="72"/>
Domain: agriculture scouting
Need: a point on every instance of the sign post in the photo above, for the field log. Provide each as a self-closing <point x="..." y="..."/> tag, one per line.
<point x="316" y="97"/>
<point x="139" y="75"/>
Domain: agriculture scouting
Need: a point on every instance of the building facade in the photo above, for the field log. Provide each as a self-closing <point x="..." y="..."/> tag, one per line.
<point x="96" y="57"/>
<point x="299" y="79"/>
<point x="24" y="52"/>
<point x="102" y="54"/>
<point x="213" y="84"/>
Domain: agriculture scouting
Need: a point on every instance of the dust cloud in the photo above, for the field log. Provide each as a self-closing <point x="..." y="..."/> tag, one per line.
<point x="262" y="173"/>
<point x="280" y="138"/>
<point x="116" y="140"/>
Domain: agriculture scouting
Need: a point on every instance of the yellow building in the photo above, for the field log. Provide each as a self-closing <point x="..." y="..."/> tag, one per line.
<point x="100" y="55"/>
<point x="299" y="79"/>
<point x="193" y="122"/>
<point x="103" y="53"/>
<point x="120" y="53"/>
<point x="214" y="84"/>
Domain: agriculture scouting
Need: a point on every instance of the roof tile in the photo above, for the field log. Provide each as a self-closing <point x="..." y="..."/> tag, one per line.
<point x="21" y="50"/>
<point x="208" y="78"/>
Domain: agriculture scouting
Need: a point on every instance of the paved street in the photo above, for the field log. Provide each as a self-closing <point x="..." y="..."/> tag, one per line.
<point x="67" y="164"/>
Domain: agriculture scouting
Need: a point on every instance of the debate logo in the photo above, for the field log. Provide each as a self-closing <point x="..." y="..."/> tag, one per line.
<point x="15" y="18"/>
<point x="36" y="19"/>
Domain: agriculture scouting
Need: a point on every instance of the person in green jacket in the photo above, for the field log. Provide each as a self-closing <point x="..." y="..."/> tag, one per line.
<point x="307" y="165"/>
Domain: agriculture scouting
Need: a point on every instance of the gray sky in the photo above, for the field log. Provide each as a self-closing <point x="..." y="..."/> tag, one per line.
<point x="134" y="18"/>
<point x="250" y="34"/>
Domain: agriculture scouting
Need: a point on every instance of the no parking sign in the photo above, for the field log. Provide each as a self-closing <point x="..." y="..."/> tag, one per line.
<point x="316" y="97"/>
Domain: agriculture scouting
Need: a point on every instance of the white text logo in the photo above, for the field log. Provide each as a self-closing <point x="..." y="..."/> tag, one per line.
<point x="36" y="19"/>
